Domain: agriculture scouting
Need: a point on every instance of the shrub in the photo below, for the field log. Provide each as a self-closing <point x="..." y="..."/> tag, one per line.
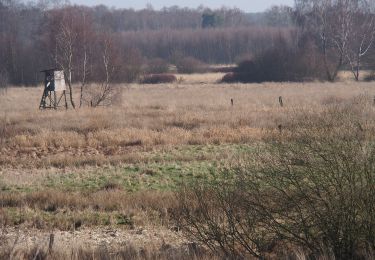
<point x="231" y="77"/>
<point x="370" y="77"/>
<point x="158" y="79"/>
<point x="190" y="65"/>
<point x="157" y="66"/>
<point x="309" y="187"/>
<point x="278" y="64"/>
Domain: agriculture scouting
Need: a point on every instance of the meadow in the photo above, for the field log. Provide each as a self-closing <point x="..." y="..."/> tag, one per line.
<point x="106" y="175"/>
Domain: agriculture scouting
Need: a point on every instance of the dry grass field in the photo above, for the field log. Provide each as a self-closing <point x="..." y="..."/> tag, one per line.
<point x="92" y="171"/>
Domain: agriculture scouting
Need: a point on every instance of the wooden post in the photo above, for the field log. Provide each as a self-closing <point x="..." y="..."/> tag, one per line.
<point x="55" y="100"/>
<point x="66" y="102"/>
<point x="51" y="240"/>
<point x="281" y="101"/>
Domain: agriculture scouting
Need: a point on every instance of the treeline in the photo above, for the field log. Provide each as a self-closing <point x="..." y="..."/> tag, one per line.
<point x="119" y="20"/>
<point x="313" y="40"/>
<point x="329" y="36"/>
<point x="46" y="34"/>
<point x="220" y="45"/>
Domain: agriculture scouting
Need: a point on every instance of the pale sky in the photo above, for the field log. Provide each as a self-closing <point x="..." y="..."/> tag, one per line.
<point x="245" y="5"/>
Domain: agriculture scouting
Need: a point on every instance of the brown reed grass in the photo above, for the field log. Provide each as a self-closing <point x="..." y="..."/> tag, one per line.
<point x="160" y="115"/>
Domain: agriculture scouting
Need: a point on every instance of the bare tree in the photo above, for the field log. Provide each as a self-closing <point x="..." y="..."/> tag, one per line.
<point x="109" y="64"/>
<point x="279" y="16"/>
<point x="91" y="55"/>
<point x="86" y="38"/>
<point x="362" y="35"/>
<point x="343" y="29"/>
<point x="329" y="29"/>
<point x="84" y="66"/>
<point x="72" y="42"/>
<point x="65" y="41"/>
<point x="49" y="4"/>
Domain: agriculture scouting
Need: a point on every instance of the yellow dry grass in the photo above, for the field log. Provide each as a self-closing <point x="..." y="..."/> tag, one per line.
<point x="146" y="116"/>
<point x="198" y="78"/>
<point x="144" y="119"/>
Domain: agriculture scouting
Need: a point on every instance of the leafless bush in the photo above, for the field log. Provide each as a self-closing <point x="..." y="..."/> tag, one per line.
<point x="102" y="94"/>
<point x="370" y="77"/>
<point x="105" y="92"/>
<point x="310" y="187"/>
<point x="159" y="78"/>
<point x="231" y="77"/>
<point x="214" y="215"/>
<point x="283" y="62"/>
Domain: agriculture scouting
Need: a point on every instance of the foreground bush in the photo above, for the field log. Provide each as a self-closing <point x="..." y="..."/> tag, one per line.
<point x="158" y="79"/>
<point x="310" y="188"/>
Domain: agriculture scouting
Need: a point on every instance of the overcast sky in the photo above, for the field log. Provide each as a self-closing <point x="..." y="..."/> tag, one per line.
<point x="246" y="5"/>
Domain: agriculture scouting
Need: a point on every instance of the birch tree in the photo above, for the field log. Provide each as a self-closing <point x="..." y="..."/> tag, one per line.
<point x="320" y="19"/>
<point x="362" y="36"/>
<point x="66" y="40"/>
<point x="343" y="29"/>
<point x="73" y="38"/>
<point x="86" y="41"/>
<point x="108" y="61"/>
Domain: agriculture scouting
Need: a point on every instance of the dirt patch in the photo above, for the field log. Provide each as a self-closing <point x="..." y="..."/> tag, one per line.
<point x="91" y="239"/>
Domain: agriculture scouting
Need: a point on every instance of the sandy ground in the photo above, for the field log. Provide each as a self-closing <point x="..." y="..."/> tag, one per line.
<point x="110" y="238"/>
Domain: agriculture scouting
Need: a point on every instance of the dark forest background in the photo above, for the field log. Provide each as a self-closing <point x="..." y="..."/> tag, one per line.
<point x="34" y="36"/>
<point x="313" y="40"/>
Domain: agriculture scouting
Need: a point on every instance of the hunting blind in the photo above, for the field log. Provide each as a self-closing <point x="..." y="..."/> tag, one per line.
<point x="54" y="89"/>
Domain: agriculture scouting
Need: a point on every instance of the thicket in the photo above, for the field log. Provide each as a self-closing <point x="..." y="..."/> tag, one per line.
<point x="309" y="188"/>
<point x="331" y="36"/>
<point x="284" y="61"/>
<point x="158" y="78"/>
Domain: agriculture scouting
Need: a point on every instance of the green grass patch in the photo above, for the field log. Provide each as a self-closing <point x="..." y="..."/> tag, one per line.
<point x="161" y="169"/>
